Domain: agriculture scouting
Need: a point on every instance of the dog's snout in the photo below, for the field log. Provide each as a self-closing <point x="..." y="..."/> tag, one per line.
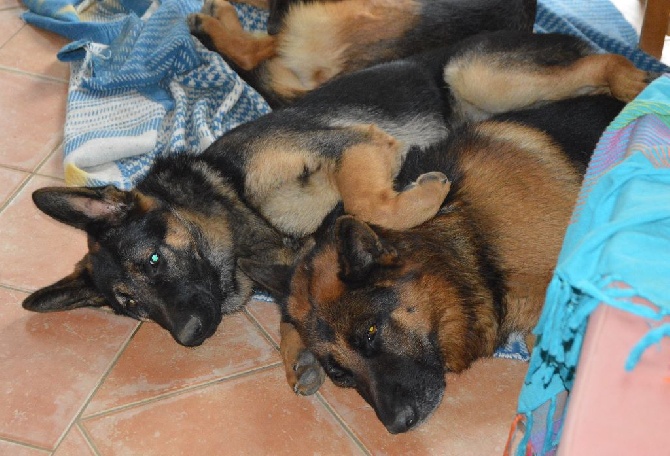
<point x="191" y="333"/>
<point x="404" y="419"/>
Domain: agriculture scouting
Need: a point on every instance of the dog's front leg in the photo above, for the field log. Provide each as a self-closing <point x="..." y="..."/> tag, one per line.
<point x="303" y="371"/>
<point x="365" y="177"/>
<point x="218" y="23"/>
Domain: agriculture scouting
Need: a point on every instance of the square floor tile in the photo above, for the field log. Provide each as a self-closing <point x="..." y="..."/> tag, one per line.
<point x="474" y="418"/>
<point x="50" y="365"/>
<point x="34" y="50"/>
<point x="154" y="364"/>
<point x="31" y="120"/>
<point x="36" y="250"/>
<point x="250" y="415"/>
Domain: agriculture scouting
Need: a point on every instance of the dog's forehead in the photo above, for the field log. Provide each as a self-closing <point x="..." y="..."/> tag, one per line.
<point x="318" y="294"/>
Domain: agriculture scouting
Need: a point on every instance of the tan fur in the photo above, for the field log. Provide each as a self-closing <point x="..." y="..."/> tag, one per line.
<point x="273" y="178"/>
<point x="245" y="49"/>
<point x="365" y="181"/>
<point x="529" y="225"/>
<point x="322" y="40"/>
<point x="519" y="87"/>
<point x="444" y="313"/>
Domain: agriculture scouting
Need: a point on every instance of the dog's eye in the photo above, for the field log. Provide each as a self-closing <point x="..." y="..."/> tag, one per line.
<point x="153" y="264"/>
<point x="154" y="260"/>
<point x="338" y="374"/>
<point x="372" y="332"/>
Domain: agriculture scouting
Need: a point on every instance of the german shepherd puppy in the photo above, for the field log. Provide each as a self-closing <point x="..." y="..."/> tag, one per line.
<point x="389" y="312"/>
<point x="168" y="250"/>
<point x="311" y="42"/>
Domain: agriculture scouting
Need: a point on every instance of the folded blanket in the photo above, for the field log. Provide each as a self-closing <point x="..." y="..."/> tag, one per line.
<point x="616" y="250"/>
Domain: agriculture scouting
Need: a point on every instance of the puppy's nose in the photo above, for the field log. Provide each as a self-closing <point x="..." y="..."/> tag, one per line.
<point x="191" y="333"/>
<point x="404" y="419"/>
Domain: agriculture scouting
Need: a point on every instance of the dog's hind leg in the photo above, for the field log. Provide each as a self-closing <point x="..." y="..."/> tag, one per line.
<point x="493" y="78"/>
<point x="303" y="371"/>
<point x="219" y="24"/>
<point x="365" y="177"/>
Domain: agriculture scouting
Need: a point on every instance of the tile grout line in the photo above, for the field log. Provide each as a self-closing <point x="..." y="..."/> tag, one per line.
<point x="43" y="77"/>
<point x="94" y="390"/>
<point x="180" y="391"/>
<point x="347" y="429"/>
<point x="16" y="191"/>
<point x="48" y="156"/>
<point x="260" y="327"/>
<point x="88" y="438"/>
<point x="15" y="33"/>
<point x="30" y="175"/>
<point x="25" y="444"/>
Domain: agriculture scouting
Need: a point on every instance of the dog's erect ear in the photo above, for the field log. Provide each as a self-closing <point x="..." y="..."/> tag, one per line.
<point x="73" y="291"/>
<point x="273" y="278"/>
<point x="360" y="249"/>
<point x="81" y="206"/>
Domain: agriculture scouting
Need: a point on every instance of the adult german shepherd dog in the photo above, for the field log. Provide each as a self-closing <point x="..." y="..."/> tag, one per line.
<point x="311" y="42"/>
<point x="168" y="250"/>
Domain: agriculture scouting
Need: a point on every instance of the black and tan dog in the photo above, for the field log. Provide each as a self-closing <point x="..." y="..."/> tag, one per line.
<point x="168" y="250"/>
<point x="389" y="312"/>
<point x="315" y="41"/>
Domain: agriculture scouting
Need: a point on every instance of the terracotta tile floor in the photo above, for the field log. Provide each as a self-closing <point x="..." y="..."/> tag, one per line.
<point x="91" y="383"/>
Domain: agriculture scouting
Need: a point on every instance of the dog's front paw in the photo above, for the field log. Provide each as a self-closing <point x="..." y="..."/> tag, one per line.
<point x="195" y="23"/>
<point x="309" y="375"/>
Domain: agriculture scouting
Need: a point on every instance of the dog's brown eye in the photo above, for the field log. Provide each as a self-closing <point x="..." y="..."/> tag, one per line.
<point x="372" y="332"/>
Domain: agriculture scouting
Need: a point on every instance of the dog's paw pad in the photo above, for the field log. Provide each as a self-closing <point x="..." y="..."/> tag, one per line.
<point x="310" y="375"/>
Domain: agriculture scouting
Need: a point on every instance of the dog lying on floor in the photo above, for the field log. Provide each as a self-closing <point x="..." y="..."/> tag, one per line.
<point x="168" y="250"/>
<point x="315" y="41"/>
<point x="390" y="312"/>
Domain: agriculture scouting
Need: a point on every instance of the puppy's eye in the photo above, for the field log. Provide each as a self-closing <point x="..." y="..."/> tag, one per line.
<point x="338" y="374"/>
<point x="154" y="259"/>
<point x="372" y="332"/>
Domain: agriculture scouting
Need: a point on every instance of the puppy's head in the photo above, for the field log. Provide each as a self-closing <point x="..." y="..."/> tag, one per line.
<point x="366" y="308"/>
<point x="146" y="260"/>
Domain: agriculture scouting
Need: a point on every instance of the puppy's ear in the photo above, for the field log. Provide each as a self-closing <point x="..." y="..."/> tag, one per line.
<point x="81" y="206"/>
<point x="360" y="250"/>
<point x="73" y="291"/>
<point x="273" y="278"/>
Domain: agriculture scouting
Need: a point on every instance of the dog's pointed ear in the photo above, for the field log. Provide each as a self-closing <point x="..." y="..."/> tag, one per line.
<point x="72" y="291"/>
<point x="273" y="278"/>
<point x="360" y="249"/>
<point x="81" y="206"/>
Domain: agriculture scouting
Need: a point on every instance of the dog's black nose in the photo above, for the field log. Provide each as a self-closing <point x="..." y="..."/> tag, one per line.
<point x="404" y="419"/>
<point x="191" y="333"/>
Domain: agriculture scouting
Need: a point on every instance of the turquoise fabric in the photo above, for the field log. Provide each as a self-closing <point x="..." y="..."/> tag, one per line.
<point x="617" y="248"/>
